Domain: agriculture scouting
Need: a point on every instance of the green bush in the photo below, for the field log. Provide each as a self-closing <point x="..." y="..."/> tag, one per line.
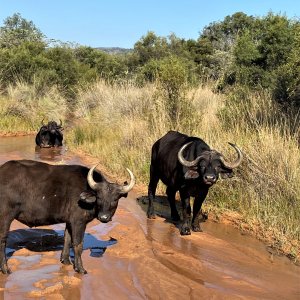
<point x="172" y="83"/>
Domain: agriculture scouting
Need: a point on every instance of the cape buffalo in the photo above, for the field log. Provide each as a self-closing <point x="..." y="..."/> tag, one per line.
<point x="49" y="135"/>
<point x="188" y="165"/>
<point x="37" y="193"/>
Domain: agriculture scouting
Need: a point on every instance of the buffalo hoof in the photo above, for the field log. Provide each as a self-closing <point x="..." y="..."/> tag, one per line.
<point x="196" y="228"/>
<point x="5" y="270"/>
<point x="80" y="270"/>
<point x="151" y="215"/>
<point x="185" y="231"/>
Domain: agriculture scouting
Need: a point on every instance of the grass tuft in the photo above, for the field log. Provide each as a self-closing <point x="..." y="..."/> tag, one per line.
<point x="23" y="107"/>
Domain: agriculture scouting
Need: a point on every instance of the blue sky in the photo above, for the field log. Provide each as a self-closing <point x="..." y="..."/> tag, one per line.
<point x="121" y="23"/>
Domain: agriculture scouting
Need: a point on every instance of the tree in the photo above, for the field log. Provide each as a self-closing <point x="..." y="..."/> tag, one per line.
<point x="150" y="47"/>
<point x="223" y="34"/>
<point x="172" y="79"/>
<point x="22" y="62"/>
<point x="213" y="51"/>
<point x="17" y="30"/>
<point x="110" y="67"/>
<point x="65" y="69"/>
<point x="87" y="55"/>
<point x="275" y="35"/>
<point x="287" y="82"/>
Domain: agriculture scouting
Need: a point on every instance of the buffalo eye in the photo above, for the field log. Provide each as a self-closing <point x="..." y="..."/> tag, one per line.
<point x="202" y="168"/>
<point x="218" y="168"/>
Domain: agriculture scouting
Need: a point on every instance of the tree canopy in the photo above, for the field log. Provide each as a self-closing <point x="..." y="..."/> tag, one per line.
<point x="255" y="52"/>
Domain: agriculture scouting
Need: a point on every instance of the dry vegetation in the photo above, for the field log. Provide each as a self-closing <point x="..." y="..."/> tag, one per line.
<point x="23" y="107"/>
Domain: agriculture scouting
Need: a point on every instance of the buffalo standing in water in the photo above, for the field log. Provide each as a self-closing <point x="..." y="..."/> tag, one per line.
<point x="49" y="135"/>
<point x="188" y="165"/>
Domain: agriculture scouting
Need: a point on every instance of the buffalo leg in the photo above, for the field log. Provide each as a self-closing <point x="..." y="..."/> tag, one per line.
<point x="171" y="198"/>
<point x="197" y="210"/>
<point x="65" y="254"/>
<point x="4" y="225"/>
<point x="77" y="240"/>
<point x="186" y="214"/>
<point x="151" y="192"/>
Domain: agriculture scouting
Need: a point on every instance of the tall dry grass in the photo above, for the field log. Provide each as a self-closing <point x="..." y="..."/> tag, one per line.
<point x="119" y="124"/>
<point x="23" y="107"/>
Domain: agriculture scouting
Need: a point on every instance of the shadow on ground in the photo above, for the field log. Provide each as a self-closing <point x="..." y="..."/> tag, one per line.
<point x="40" y="240"/>
<point x="162" y="209"/>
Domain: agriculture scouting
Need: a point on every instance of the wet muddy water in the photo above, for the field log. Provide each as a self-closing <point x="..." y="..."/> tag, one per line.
<point x="136" y="258"/>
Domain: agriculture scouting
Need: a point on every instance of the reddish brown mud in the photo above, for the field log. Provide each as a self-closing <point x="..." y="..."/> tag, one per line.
<point x="136" y="258"/>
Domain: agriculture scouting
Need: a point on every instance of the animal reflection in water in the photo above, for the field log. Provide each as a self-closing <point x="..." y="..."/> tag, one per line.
<point x="42" y="240"/>
<point x="49" y="154"/>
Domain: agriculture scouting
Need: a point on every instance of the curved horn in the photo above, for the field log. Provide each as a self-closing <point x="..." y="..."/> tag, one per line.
<point x="185" y="162"/>
<point x="43" y="122"/>
<point x="126" y="188"/>
<point x="237" y="162"/>
<point x="92" y="183"/>
<point x="60" y="125"/>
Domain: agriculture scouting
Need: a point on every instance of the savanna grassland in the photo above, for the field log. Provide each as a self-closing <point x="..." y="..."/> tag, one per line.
<point x="239" y="82"/>
<point x="119" y="124"/>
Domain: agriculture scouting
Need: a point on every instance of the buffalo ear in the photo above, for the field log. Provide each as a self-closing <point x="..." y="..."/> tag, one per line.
<point x="191" y="174"/>
<point x="125" y="195"/>
<point x="88" y="197"/>
<point x="226" y="173"/>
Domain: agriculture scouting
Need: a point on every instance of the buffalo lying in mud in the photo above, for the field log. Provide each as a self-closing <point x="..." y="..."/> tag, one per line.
<point x="37" y="193"/>
<point x="188" y="165"/>
<point x="49" y="135"/>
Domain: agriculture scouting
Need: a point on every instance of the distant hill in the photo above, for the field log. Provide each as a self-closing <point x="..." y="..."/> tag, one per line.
<point x="114" y="50"/>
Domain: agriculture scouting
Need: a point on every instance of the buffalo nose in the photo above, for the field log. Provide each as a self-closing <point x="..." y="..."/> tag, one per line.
<point x="104" y="218"/>
<point x="211" y="178"/>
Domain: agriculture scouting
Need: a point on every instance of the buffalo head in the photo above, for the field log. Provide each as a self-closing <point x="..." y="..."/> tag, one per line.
<point x="105" y="195"/>
<point x="209" y="165"/>
<point x="53" y="126"/>
<point x="50" y="135"/>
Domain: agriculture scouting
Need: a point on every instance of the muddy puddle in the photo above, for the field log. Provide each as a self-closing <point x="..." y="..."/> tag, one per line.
<point x="136" y="258"/>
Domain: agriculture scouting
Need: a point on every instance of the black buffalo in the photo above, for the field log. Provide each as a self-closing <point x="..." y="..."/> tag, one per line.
<point x="37" y="193"/>
<point x="49" y="135"/>
<point x="188" y="165"/>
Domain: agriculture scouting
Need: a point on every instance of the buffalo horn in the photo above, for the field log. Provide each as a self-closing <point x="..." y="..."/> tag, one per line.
<point x="92" y="183"/>
<point x="60" y="125"/>
<point x="237" y="162"/>
<point x="43" y="122"/>
<point x="126" y="188"/>
<point x="185" y="162"/>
